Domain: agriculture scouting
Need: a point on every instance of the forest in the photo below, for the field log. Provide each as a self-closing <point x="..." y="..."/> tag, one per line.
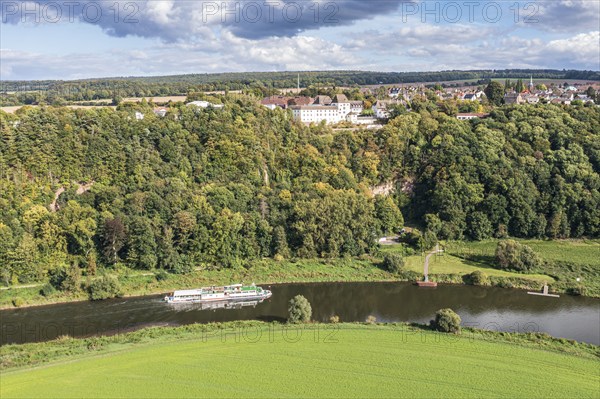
<point x="217" y="188"/>
<point x="261" y="83"/>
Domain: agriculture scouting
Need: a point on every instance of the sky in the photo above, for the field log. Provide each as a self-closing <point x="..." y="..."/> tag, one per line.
<point x="78" y="39"/>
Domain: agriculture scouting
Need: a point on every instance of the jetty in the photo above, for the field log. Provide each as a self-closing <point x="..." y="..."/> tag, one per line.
<point x="544" y="292"/>
<point x="426" y="282"/>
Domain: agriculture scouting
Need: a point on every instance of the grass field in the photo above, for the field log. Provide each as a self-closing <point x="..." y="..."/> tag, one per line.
<point x="348" y="360"/>
<point x="576" y="251"/>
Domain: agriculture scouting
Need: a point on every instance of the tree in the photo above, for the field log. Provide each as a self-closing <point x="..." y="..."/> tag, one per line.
<point x="299" y="310"/>
<point x="113" y="239"/>
<point x="388" y="214"/>
<point x="393" y="263"/>
<point x="479" y="226"/>
<point x="104" y="287"/>
<point x="511" y="255"/>
<point x="495" y="93"/>
<point x="477" y="278"/>
<point x="520" y="86"/>
<point x="446" y="320"/>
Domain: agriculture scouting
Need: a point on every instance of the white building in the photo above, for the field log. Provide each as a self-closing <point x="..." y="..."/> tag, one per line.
<point x="205" y="104"/>
<point x="139" y="116"/>
<point x="317" y="113"/>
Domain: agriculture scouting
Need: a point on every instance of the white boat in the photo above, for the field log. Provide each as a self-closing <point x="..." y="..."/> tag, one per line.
<point x="228" y="293"/>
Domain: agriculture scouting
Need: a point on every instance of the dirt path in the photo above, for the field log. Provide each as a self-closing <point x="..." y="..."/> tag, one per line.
<point x="426" y="266"/>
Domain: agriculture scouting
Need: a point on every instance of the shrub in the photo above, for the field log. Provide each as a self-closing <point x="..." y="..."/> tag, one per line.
<point x="511" y="255"/>
<point x="412" y="238"/>
<point x="57" y="276"/>
<point x="72" y="280"/>
<point x="299" y="310"/>
<point x="446" y="320"/>
<point x="161" y="275"/>
<point x="371" y="319"/>
<point x="334" y="319"/>
<point x="478" y="278"/>
<point x="393" y="263"/>
<point x="576" y="290"/>
<point x="104" y="287"/>
<point x="18" y="302"/>
<point x="47" y="290"/>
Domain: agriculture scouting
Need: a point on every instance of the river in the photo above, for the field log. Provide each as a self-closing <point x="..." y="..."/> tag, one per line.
<point x="491" y="308"/>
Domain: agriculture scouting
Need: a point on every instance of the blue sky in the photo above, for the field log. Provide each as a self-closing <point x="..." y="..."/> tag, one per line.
<point x="85" y="38"/>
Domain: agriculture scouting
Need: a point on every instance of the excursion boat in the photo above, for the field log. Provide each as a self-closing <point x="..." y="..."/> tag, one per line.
<point x="229" y="293"/>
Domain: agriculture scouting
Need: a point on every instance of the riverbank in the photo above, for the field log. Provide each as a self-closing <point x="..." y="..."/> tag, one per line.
<point x="313" y="360"/>
<point x="135" y="283"/>
<point x="570" y="260"/>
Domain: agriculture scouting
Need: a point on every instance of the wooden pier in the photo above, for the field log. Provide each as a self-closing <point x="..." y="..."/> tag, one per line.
<point x="544" y="292"/>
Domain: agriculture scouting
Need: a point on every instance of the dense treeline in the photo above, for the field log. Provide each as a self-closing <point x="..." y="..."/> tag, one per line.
<point x="263" y="83"/>
<point x="218" y="188"/>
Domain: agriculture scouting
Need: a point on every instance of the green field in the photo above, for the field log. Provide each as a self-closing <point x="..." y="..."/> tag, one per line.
<point x="314" y="361"/>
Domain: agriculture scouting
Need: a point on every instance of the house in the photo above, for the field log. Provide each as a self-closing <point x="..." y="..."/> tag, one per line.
<point x="357" y="106"/>
<point x="301" y="101"/>
<point x="160" y="112"/>
<point x="531" y="99"/>
<point x="323" y="100"/>
<point x="352" y="117"/>
<point x="317" y="113"/>
<point x="340" y="98"/>
<point x="381" y="108"/>
<point x="275" y="101"/>
<point x="513" y="98"/>
<point x="470" y="97"/>
<point x="469" y="116"/>
<point x="343" y="104"/>
<point x="205" y="104"/>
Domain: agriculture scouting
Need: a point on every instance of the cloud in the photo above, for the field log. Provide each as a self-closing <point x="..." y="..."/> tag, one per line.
<point x="173" y="20"/>
<point x="227" y="53"/>
<point x="567" y="15"/>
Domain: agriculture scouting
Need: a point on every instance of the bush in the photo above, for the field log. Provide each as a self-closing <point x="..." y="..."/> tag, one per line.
<point x="371" y="319"/>
<point x="57" y="276"/>
<point x="511" y="255"/>
<point x="393" y="263"/>
<point x="104" y="287"/>
<point x="334" y="319"/>
<point x="412" y="238"/>
<point x="299" y="310"/>
<point x="47" y="290"/>
<point x="72" y="280"/>
<point x="478" y="278"/>
<point x="446" y="320"/>
<point x="161" y="275"/>
<point x="18" y="302"/>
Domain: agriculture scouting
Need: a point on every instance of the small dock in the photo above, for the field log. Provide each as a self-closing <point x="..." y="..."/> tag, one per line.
<point x="544" y="292"/>
<point x="426" y="282"/>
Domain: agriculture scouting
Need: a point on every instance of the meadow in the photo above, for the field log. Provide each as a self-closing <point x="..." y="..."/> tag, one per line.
<point x="254" y="359"/>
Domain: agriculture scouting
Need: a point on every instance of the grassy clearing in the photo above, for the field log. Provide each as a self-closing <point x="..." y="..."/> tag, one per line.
<point x="449" y="264"/>
<point x="565" y="261"/>
<point x="576" y="251"/>
<point x="347" y="360"/>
